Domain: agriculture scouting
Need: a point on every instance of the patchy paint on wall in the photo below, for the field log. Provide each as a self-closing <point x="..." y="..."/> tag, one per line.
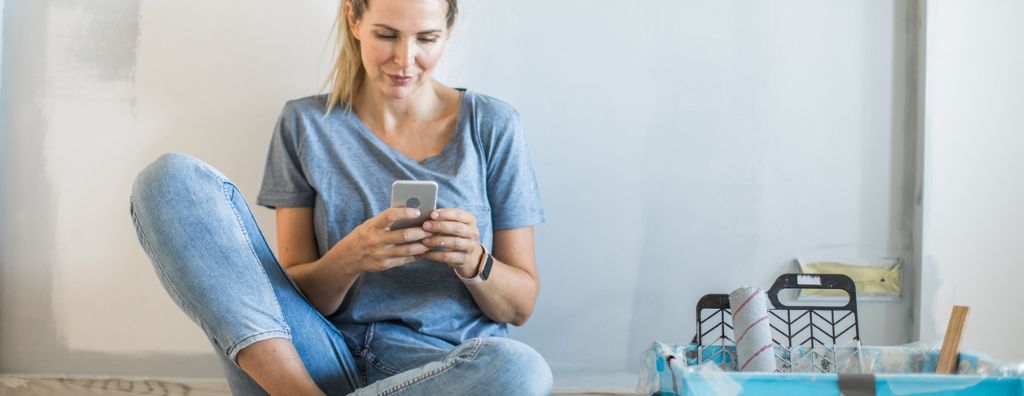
<point x="104" y="294"/>
<point x="127" y="81"/>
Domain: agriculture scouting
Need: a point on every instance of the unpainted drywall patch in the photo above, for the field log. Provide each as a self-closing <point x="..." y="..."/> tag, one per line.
<point x="98" y="27"/>
<point x="125" y="83"/>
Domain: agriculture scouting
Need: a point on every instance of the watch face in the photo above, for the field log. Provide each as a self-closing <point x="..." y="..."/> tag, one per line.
<point x="486" y="271"/>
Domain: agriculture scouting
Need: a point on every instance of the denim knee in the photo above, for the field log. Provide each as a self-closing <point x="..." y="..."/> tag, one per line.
<point x="169" y="174"/>
<point x="202" y="254"/>
<point x="526" y="371"/>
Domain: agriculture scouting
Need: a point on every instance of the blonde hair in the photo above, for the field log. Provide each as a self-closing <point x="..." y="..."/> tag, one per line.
<point x="348" y="72"/>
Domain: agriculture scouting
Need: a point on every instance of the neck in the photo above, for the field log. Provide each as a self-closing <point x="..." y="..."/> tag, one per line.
<point x="390" y="114"/>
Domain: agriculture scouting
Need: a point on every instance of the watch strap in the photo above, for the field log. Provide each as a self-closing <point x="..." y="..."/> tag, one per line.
<point x="483" y="268"/>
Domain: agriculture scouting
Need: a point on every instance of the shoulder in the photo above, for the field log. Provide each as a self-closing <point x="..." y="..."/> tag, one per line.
<point x="489" y="108"/>
<point x="310" y="106"/>
<point x="306" y="118"/>
<point x="496" y="124"/>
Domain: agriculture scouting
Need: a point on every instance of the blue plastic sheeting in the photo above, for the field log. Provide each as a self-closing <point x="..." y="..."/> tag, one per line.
<point x="828" y="384"/>
<point x="672" y="370"/>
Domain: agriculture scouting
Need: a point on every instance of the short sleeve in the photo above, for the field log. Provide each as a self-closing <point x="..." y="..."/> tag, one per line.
<point x="284" y="180"/>
<point x="511" y="183"/>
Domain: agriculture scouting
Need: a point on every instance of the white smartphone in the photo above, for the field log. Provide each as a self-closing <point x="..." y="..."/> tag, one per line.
<point x="417" y="194"/>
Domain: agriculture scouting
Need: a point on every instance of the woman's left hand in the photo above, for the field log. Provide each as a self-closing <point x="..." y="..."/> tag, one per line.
<point x="456" y="233"/>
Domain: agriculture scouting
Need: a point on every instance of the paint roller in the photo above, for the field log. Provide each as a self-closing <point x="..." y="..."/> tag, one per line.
<point x="755" y="350"/>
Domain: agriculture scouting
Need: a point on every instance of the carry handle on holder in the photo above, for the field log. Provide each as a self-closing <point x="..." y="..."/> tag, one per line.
<point x="816" y="281"/>
<point x="789" y="321"/>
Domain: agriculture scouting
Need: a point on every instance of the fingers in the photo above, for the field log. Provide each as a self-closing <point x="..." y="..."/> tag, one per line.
<point x="449" y="243"/>
<point x="463" y="262"/>
<point x="452" y="228"/>
<point x="450" y="258"/>
<point x="391" y="215"/>
<point x="404" y="235"/>
<point x="459" y="253"/>
<point x="396" y="262"/>
<point x="396" y="255"/>
<point x="452" y="232"/>
<point x="406" y="250"/>
<point x="456" y="215"/>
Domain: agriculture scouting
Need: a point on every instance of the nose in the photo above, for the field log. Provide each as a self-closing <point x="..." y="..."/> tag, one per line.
<point x="404" y="54"/>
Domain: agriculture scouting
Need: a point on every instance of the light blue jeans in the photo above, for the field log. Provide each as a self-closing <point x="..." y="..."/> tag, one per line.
<point x="212" y="259"/>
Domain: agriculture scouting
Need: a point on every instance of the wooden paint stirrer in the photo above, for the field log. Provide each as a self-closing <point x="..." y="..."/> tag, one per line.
<point x="950" y="353"/>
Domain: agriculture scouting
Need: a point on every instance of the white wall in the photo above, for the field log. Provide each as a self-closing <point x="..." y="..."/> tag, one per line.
<point x="94" y="91"/>
<point x="974" y="193"/>
<point x="686" y="148"/>
<point x="1" y="44"/>
<point x="682" y="147"/>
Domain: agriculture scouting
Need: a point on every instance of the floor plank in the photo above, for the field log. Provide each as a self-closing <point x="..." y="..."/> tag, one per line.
<point x="25" y="385"/>
<point x="11" y="385"/>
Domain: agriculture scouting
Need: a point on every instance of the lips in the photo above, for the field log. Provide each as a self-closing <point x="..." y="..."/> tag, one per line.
<point x="399" y="80"/>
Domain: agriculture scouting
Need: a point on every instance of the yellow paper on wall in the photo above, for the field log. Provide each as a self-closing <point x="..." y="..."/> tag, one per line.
<point x="870" y="280"/>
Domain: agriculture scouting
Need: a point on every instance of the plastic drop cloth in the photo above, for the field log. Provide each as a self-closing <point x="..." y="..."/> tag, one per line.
<point x="684" y="369"/>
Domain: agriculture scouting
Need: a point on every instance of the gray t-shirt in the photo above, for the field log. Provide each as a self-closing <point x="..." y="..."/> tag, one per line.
<point x="337" y="166"/>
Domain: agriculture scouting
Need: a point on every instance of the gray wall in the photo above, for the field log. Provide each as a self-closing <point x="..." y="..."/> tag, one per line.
<point x="683" y="148"/>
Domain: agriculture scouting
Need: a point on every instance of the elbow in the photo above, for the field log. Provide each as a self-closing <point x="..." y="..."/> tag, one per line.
<point x="324" y="310"/>
<point x="325" y="306"/>
<point x="519" y="322"/>
<point x="513" y="316"/>
<point x="519" y="318"/>
<point x="521" y="315"/>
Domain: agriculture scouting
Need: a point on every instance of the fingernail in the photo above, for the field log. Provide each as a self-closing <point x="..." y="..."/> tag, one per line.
<point x="415" y="212"/>
<point x="436" y="214"/>
<point x="427" y="225"/>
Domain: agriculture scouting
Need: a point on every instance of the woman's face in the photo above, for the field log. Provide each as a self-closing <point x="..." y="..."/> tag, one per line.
<point x="401" y="41"/>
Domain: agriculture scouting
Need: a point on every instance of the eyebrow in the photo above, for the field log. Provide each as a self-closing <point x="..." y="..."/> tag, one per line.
<point x="396" y="30"/>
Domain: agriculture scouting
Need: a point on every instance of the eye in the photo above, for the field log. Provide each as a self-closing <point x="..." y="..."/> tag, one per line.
<point x="427" y="39"/>
<point x="385" y="36"/>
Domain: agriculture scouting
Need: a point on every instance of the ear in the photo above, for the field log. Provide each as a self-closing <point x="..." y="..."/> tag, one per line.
<point x="352" y="22"/>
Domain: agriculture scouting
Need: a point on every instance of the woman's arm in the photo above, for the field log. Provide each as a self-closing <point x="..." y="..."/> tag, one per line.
<point x="510" y="292"/>
<point x="370" y="247"/>
<point x="323" y="284"/>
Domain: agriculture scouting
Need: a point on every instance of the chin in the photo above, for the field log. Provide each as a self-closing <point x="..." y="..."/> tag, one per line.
<point x="400" y="92"/>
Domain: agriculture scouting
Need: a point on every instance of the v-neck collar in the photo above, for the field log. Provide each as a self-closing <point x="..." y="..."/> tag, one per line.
<point x="459" y="119"/>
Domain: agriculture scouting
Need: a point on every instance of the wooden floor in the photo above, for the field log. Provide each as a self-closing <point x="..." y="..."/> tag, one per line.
<point x="22" y="385"/>
<point x="27" y="385"/>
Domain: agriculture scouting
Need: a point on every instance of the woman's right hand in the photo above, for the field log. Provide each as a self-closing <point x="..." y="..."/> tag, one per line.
<point x="373" y="247"/>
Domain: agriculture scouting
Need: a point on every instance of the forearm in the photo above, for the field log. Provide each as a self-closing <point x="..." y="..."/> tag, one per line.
<point x="324" y="282"/>
<point x="508" y="295"/>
